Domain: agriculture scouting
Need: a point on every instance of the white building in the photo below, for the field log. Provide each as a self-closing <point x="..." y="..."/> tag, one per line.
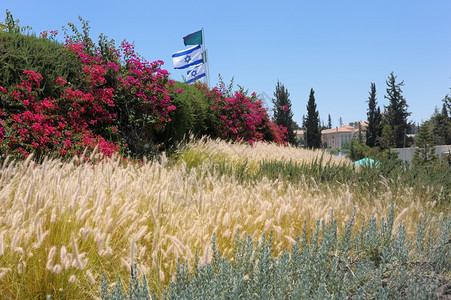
<point x="336" y="137"/>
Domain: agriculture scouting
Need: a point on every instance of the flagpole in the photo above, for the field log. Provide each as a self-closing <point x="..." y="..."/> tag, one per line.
<point x="207" y="70"/>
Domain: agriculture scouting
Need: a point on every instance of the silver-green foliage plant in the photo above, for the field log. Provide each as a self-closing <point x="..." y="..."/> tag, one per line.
<point x="137" y="290"/>
<point x="362" y="263"/>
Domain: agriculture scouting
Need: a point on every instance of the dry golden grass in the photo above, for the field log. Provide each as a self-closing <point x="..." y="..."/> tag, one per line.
<point x="64" y="224"/>
<point x="241" y="152"/>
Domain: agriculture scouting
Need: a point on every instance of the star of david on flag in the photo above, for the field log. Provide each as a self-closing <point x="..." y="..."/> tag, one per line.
<point x="187" y="58"/>
<point x="195" y="73"/>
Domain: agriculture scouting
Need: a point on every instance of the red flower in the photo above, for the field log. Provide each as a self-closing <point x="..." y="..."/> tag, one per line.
<point x="61" y="82"/>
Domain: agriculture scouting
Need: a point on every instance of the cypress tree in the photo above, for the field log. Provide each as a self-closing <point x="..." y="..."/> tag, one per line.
<point x="425" y="153"/>
<point x="313" y="135"/>
<point x="374" y="119"/>
<point x="283" y="115"/>
<point x="329" y="122"/>
<point x="396" y="112"/>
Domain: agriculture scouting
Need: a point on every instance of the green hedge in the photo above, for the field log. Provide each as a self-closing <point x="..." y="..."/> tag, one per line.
<point x="193" y="116"/>
<point x="22" y="52"/>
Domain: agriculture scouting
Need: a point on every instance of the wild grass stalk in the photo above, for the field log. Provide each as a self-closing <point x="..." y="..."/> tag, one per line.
<point x="65" y="224"/>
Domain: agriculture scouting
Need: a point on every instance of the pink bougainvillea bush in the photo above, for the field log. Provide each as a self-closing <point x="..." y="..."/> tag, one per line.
<point x="60" y="125"/>
<point x="143" y="101"/>
<point x="143" y="105"/>
<point x="243" y="118"/>
<point x="121" y="103"/>
<point x="80" y="120"/>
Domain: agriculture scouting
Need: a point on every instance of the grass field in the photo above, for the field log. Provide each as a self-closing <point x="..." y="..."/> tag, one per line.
<point x="65" y="224"/>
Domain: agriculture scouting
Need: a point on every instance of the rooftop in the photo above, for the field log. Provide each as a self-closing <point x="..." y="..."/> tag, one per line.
<point x="345" y="128"/>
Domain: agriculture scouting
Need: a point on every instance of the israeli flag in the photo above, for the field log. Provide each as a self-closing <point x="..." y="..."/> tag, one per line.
<point x="187" y="58"/>
<point x="195" y="73"/>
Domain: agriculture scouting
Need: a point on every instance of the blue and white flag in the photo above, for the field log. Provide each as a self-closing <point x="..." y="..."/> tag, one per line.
<point x="187" y="58"/>
<point x="195" y="73"/>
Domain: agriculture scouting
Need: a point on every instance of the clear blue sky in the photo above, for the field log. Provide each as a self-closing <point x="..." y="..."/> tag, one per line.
<point x="335" y="47"/>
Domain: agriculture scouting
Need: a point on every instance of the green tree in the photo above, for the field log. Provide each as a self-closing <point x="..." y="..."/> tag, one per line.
<point x="283" y="115"/>
<point x="387" y="139"/>
<point x="312" y="132"/>
<point x="441" y="127"/>
<point x="447" y="102"/>
<point x="425" y="153"/>
<point x="396" y="112"/>
<point x="360" y="135"/>
<point x="374" y="119"/>
<point x="329" y="122"/>
<point x="440" y="124"/>
<point x="358" y="150"/>
<point x="346" y="148"/>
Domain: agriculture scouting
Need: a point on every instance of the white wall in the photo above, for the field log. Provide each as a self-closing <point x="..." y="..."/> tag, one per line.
<point x="406" y="154"/>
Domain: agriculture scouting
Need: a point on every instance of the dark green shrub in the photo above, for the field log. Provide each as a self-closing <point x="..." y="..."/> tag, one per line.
<point x="193" y="116"/>
<point x="21" y="52"/>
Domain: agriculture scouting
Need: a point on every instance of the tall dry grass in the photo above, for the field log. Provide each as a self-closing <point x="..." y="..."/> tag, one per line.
<point x="241" y="152"/>
<point x="64" y="224"/>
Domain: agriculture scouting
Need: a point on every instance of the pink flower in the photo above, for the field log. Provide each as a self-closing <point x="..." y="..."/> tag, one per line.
<point x="60" y="81"/>
<point x="113" y="66"/>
